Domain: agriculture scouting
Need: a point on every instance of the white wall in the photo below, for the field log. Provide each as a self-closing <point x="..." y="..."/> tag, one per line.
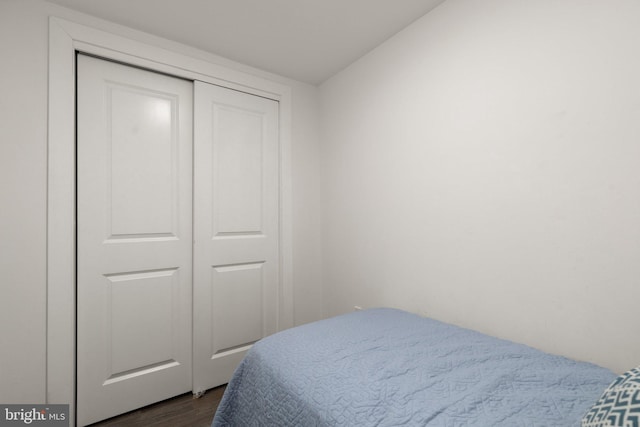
<point x="483" y="167"/>
<point x="307" y="209"/>
<point x="23" y="177"/>
<point x="23" y="190"/>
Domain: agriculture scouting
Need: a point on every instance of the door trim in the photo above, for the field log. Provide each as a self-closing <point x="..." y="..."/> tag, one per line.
<point x="65" y="39"/>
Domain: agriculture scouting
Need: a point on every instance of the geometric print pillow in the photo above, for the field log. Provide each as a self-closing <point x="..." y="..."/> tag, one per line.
<point x="619" y="404"/>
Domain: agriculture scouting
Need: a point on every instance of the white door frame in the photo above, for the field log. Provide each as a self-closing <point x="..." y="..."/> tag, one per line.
<point x="65" y="39"/>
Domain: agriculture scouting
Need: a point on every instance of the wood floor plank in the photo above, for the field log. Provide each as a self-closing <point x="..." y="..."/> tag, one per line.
<point x="180" y="411"/>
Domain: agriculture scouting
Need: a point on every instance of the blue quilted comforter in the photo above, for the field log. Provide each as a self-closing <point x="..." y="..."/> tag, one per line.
<point x="386" y="367"/>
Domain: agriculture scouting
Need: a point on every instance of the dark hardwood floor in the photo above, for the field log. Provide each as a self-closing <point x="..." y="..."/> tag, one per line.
<point x="180" y="411"/>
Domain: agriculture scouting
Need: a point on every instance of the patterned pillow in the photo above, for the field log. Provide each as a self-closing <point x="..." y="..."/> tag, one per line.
<point x="619" y="405"/>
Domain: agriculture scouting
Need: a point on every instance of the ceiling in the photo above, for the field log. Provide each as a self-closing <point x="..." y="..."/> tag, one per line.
<point x="307" y="40"/>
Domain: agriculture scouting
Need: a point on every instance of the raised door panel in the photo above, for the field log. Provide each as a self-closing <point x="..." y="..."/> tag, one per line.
<point x="237" y="166"/>
<point x="143" y="162"/>
<point x="156" y="293"/>
<point x="237" y="306"/>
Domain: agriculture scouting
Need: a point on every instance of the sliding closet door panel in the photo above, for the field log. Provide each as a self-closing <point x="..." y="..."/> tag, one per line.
<point x="134" y="238"/>
<point x="236" y="205"/>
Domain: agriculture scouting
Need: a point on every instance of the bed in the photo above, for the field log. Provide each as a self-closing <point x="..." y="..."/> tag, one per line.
<point x="387" y="367"/>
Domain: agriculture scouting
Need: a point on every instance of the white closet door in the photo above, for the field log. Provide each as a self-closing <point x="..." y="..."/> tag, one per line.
<point x="236" y="205"/>
<point x="134" y="238"/>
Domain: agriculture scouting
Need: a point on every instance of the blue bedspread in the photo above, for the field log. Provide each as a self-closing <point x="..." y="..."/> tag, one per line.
<point x="386" y="367"/>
